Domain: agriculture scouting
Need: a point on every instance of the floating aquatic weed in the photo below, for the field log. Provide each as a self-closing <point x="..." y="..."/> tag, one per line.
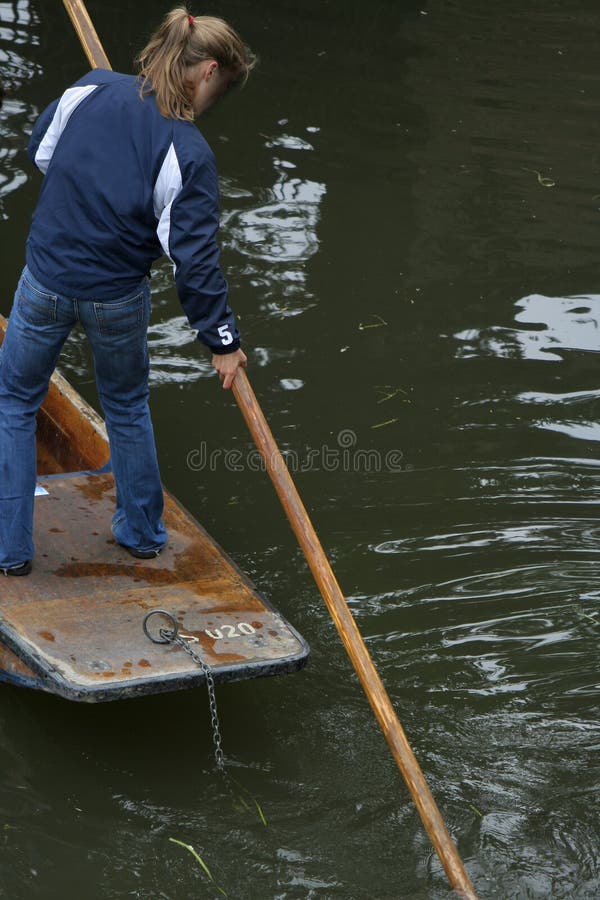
<point x="383" y="424"/>
<point x="245" y="807"/>
<point x="240" y="798"/>
<point x="260" y="813"/>
<point x="390" y="392"/>
<point x="379" y="324"/>
<point x="201" y="862"/>
<point x="545" y="182"/>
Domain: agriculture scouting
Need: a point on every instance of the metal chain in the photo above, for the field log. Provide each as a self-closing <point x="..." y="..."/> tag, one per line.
<point x="171" y="636"/>
<point x="212" y="697"/>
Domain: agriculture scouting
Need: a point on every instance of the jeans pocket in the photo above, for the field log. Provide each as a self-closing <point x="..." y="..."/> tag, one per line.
<point x="121" y="317"/>
<point x="34" y="306"/>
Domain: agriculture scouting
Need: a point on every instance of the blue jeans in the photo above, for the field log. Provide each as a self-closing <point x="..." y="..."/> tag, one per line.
<point x="39" y="324"/>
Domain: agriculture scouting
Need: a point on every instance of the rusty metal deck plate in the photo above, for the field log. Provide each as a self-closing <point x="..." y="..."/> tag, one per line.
<point x="75" y="623"/>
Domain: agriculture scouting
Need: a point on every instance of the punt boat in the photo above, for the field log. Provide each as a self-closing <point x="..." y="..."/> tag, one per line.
<point x="75" y="626"/>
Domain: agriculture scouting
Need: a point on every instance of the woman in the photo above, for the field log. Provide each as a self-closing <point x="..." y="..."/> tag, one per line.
<point x="127" y="177"/>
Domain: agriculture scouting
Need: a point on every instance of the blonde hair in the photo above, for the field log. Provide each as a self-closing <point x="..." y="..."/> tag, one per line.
<point x="183" y="41"/>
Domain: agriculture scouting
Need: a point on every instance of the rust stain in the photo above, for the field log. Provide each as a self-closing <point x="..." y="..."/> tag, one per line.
<point x="206" y="640"/>
<point x="227" y="658"/>
<point x="208" y="645"/>
<point x="108" y="570"/>
<point x="144" y="663"/>
<point x="47" y="635"/>
<point x="96" y="486"/>
<point x="107" y="674"/>
<point x="12" y="663"/>
<point x="251" y="605"/>
<point x="56" y="531"/>
<point x="152" y="571"/>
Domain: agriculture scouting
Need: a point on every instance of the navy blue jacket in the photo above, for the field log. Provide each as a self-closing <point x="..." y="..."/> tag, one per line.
<point x="123" y="185"/>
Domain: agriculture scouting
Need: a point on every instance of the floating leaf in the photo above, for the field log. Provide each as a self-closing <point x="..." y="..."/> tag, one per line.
<point x="261" y="814"/>
<point x="545" y="182"/>
<point x="201" y="862"/>
<point x="383" y="424"/>
<point x="391" y="392"/>
<point x="244" y="804"/>
<point x="378" y="324"/>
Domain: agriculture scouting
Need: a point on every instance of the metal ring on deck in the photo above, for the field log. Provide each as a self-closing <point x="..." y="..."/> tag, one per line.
<point x="166" y="637"/>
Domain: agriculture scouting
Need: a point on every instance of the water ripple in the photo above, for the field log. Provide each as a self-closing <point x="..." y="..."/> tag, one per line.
<point x="275" y="235"/>
<point x="555" y="325"/>
<point x="175" y="354"/>
<point x="577" y="536"/>
<point x="17" y="68"/>
<point x="281" y="230"/>
<point x="511" y="606"/>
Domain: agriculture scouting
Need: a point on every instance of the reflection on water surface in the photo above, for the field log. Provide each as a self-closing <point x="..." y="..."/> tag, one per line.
<point x="16" y="68"/>
<point x="556" y="324"/>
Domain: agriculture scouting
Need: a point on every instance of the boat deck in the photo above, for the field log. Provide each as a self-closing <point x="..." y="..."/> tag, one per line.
<point x="77" y="619"/>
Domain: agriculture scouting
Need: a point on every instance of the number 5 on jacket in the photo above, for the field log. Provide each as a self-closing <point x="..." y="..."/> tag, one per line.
<point x="225" y="335"/>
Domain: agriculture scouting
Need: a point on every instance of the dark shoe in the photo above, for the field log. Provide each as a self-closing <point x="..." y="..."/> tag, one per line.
<point x="142" y="554"/>
<point x="20" y="569"/>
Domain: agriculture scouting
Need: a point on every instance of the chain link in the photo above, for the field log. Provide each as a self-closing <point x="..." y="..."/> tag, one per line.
<point x="212" y="697"/>
<point x="239" y="794"/>
<point x="171" y="636"/>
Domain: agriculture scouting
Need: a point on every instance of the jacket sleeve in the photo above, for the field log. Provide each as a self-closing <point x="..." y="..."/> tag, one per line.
<point x="39" y="130"/>
<point x="187" y="229"/>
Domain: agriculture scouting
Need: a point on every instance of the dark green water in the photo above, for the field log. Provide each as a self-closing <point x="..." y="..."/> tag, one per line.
<point x="430" y="171"/>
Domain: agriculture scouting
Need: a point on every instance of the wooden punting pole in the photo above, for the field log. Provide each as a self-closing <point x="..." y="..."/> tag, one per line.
<point x="352" y="638"/>
<point x="86" y="33"/>
<point x="323" y="575"/>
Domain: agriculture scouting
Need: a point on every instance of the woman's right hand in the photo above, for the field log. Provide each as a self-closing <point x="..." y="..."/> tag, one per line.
<point x="227" y="365"/>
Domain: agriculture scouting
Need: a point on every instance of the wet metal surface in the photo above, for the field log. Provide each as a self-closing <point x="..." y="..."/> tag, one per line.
<point x="77" y="619"/>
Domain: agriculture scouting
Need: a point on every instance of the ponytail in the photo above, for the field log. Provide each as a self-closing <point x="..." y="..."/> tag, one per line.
<point x="181" y="42"/>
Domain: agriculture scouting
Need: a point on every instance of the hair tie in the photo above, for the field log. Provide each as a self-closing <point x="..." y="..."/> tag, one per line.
<point x="191" y="21"/>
